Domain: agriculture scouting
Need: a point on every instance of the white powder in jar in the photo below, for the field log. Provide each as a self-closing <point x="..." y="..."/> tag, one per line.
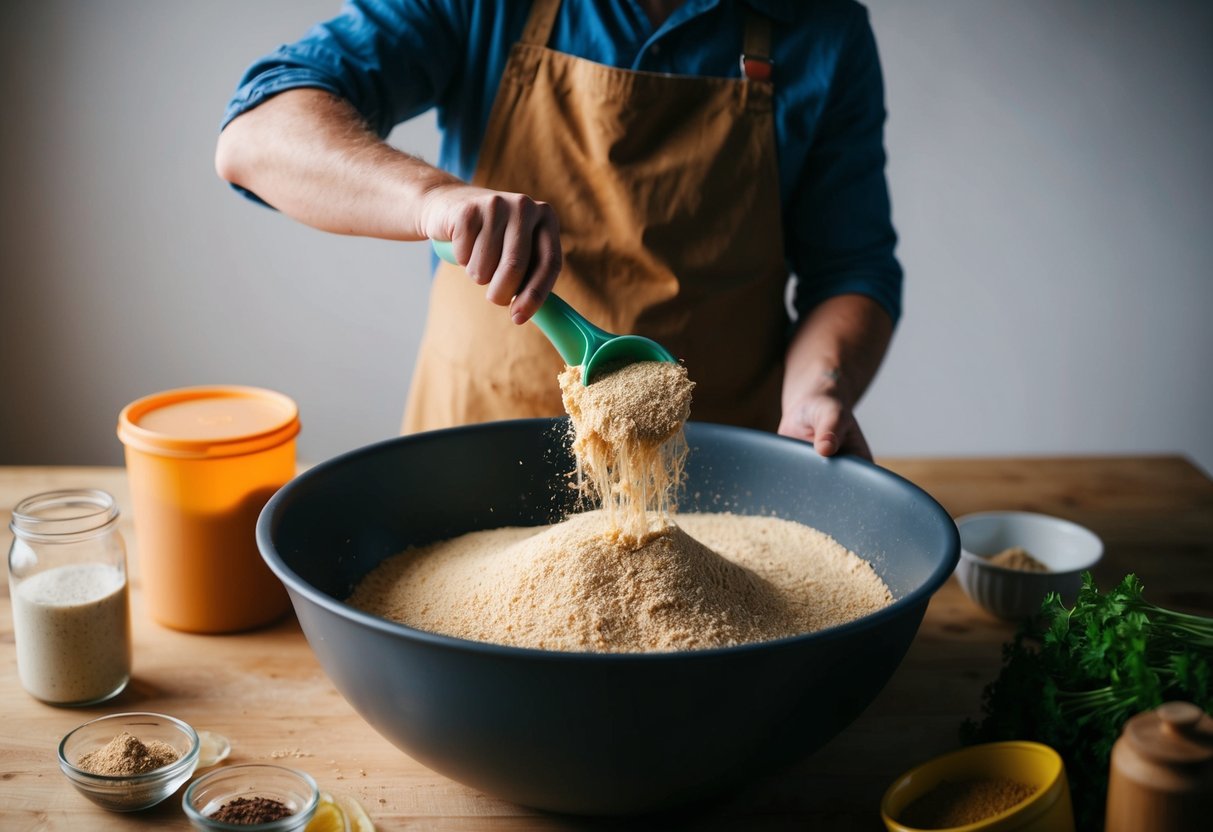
<point x="72" y="628"/>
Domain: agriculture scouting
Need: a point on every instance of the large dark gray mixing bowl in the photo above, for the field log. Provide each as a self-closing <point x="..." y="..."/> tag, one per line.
<point x="595" y="733"/>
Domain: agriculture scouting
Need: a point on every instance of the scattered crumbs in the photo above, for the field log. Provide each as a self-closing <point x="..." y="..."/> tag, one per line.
<point x="290" y="752"/>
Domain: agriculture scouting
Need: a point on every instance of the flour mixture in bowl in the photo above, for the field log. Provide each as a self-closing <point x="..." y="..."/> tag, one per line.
<point x="714" y="580"/>
<point x="627" y="577"/>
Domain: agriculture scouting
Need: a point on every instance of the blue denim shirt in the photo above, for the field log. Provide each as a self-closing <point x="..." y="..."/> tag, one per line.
<point x="395" y="59"/>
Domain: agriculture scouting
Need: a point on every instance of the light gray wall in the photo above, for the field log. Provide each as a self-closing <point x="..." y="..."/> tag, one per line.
<point x="1052" y="185"/>
<point x="1050" y="176"/>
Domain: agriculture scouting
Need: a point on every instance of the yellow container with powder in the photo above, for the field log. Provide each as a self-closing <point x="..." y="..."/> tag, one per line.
<point x="1038" y="766"/>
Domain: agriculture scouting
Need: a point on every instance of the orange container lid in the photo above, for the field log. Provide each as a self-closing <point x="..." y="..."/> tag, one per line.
<point x="206" y="422"/>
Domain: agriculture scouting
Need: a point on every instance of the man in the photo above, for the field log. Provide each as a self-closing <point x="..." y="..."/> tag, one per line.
<point x="670" y="162"/>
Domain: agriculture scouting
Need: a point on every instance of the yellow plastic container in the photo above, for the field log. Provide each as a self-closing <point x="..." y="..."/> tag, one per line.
<point x="202" y="462"/>
<point x="1047" y="810"/>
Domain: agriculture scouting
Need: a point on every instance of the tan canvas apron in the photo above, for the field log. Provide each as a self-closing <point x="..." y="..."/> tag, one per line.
<point x="667" y="192"/>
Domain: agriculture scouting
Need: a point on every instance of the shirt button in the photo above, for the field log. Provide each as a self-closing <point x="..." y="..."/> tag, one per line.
<point x="655" y="49"/>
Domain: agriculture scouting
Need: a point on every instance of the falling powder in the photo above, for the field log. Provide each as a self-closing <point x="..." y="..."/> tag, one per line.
<point x="628" y="442"/>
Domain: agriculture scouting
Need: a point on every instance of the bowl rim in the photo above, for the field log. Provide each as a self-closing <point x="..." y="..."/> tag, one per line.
<point x="1032" y="804"/>
<point x="868" y="470"/>
<point x="185" y="763"/>
<point x="298" y="818"/>
<point x="984" y="563"/>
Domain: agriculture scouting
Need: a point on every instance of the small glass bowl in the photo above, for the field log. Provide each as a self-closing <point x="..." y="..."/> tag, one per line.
<point x="129" y="793"/>
<point x="208" y="793"/>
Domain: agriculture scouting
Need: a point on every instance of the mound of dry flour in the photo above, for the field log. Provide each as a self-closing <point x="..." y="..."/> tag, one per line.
<point x="711" y="581"/>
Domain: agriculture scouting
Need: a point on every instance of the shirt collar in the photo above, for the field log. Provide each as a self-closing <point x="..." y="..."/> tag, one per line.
<point x="780" y="10"/>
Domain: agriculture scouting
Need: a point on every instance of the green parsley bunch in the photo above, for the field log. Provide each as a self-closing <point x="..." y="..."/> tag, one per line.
<point x="1073" y="676"/>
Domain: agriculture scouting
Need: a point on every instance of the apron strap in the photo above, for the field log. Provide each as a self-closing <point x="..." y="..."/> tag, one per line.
<point x="756" y="61"/>
<point x="538" y="29"/>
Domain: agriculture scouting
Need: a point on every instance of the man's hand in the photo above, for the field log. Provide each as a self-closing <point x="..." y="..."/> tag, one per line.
<point x="509" y="242"/>
<point x="830" y="363"/>
<point x="826" y="421"/>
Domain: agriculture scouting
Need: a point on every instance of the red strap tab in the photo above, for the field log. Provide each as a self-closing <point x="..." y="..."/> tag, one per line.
<point x="756" y="68"/>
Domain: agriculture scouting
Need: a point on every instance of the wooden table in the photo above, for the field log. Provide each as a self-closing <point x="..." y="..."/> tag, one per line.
<point x="265" y="691"/>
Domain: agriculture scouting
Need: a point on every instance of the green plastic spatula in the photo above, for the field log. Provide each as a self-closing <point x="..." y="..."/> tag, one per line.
<point x="577" y="340"/>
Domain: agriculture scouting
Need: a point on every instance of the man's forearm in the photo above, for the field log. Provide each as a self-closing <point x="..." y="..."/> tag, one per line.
<point x="309" y="154"/>
<point x="837" y="350"/>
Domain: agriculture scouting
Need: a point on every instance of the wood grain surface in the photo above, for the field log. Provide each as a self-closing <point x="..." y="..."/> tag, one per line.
<point x="265" y="691"/>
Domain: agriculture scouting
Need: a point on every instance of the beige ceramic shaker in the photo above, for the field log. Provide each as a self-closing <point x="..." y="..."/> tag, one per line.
<point x="1162" y="772"/>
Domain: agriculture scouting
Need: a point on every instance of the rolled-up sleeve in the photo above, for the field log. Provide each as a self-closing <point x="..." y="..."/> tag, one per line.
<point x="841" y="237"/>
<point x="390" y="60"/>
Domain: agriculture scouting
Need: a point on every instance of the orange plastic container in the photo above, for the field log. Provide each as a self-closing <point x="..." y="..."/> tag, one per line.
<point x="202" y="462"/>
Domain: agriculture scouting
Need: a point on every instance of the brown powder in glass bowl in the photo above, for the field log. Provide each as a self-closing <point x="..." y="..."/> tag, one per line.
<point x="126" y="755"/>
<point x="250" y="811"/>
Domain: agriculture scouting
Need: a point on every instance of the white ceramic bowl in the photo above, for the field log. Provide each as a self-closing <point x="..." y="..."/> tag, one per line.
<point x="1068" y="549"/>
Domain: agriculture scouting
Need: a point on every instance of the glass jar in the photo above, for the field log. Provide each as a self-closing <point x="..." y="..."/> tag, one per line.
<point x="71" y="607"/>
